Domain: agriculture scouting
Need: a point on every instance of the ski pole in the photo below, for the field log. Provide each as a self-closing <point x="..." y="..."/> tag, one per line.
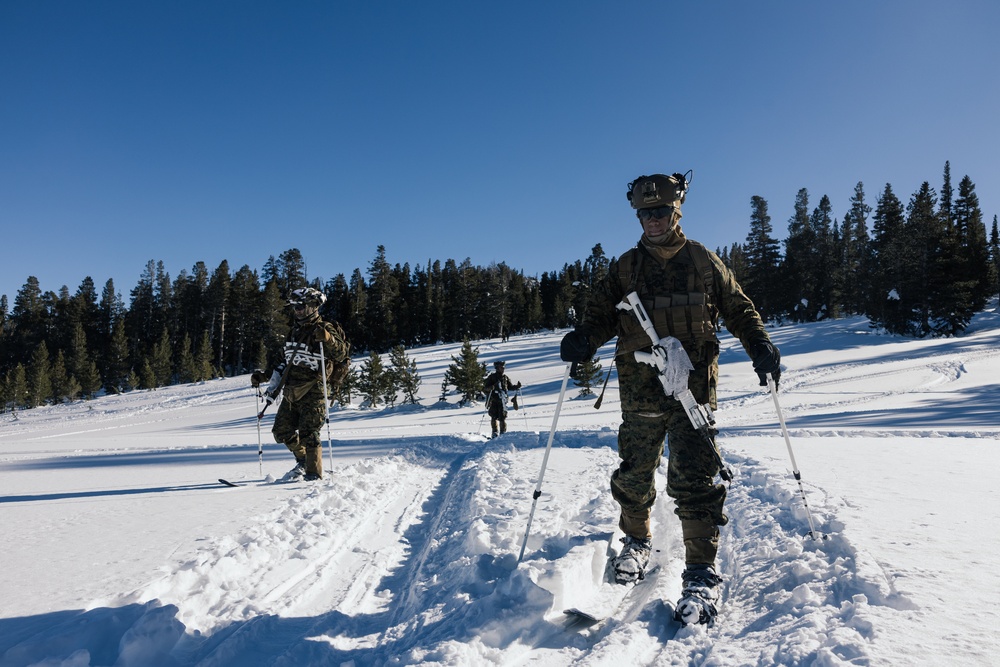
<point x="326" y="403"/>
<point x="545" y="459"/>
<point x="486" y="411"/>
<point x="788" y="443"/>
<point x="524" y="414"/>
<point x="260" y="445"/>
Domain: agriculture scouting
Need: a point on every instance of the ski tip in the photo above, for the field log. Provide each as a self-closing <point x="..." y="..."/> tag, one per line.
<point x="582" y="616"/>
<point x="226" y="482"/>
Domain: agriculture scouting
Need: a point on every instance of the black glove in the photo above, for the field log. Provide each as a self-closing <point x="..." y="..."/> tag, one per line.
<point x="256" y="378"/>
<point x="575" y="347"/>
<point x="766" y="361"/>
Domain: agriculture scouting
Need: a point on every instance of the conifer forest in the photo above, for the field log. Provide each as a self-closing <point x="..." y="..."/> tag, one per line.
<point x="917" y="267"/>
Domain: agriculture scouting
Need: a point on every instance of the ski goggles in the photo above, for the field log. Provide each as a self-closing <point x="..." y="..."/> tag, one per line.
<point x="647" y="214"/>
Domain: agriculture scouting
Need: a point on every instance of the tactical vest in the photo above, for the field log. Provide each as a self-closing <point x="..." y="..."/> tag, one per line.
<point x="686" y="312"/>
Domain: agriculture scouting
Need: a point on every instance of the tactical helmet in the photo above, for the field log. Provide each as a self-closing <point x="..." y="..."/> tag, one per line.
<point x="308" y="296"/>
<point x="658" y="190"/>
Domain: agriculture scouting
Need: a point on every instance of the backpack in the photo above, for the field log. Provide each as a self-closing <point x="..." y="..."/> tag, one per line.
<point x="339" y="369"/>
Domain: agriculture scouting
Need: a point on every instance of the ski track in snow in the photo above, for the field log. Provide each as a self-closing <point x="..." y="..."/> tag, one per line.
<point x="409" y="581"/>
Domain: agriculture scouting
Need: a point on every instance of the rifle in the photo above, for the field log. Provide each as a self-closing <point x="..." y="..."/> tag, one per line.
<point x="272" y="395"/>
<point x="674" y="366"/>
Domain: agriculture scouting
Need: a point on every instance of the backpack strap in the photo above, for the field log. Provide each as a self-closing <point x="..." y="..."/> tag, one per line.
<point x="630" y="267"/>
<point x="704" y="267"/>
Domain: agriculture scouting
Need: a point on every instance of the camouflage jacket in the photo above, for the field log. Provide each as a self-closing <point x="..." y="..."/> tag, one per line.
<point x="302" y="356"/>
<point x="685" y="298"/>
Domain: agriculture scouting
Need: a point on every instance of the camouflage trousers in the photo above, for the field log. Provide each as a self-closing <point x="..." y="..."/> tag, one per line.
<point x="691" y="470"/>
<point x="297" y="425"/>
<point x="498" y="415"/>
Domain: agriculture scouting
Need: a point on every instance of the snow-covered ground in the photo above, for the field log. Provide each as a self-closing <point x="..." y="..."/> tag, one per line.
<point x="120" y="548"/>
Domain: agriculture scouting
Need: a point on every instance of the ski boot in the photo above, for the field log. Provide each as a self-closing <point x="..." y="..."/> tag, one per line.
<point x="312" y="477"/>
<point x="295" y="474"/>
<point x="697" y="605"/>
<point x="630" y="564"/>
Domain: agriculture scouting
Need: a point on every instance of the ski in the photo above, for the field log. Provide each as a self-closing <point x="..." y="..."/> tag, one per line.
<point x="226" y="482"/>
<point x="578" y="618"/>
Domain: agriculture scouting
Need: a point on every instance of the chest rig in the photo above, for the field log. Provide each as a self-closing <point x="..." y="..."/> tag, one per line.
<point x="678" y="297"/>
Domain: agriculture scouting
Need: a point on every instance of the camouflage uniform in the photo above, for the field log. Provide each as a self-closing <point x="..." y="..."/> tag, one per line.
<point x="684" y="296"/>
<point x="498" y="387"/>
<point x="303" y="409"/>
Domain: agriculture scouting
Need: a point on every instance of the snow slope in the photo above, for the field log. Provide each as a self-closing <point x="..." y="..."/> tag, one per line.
<point x="120" y="548"/>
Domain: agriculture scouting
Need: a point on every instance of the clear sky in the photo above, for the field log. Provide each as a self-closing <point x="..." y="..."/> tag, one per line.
<point x="188" y="131"/>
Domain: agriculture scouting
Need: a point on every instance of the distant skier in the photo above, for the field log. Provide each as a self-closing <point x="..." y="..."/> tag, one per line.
<point x="498" y="386"/>
<point x="303" y="408"/>
<point x="684" y="288"/>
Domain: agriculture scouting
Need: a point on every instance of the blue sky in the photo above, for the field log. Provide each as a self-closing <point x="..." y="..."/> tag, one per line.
<point x="201" y="131"/>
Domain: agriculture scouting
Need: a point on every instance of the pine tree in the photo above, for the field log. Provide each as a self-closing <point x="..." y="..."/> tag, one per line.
<point x="203" y="359"/>
<point x="39" y="380"/>
<point x="973" y="246"/>
<point x="117" y="366"/>
<point x="17" y="387"/>
<point x="132" y="382"/>
<point x="762" y="259"/>
<point x="357" y="325"/>
<point x="143" y="314"/>
<point x="81" y="366"/>
<point x="405" y="371"/>
<point x="405" y="303"/>
<point x="374" y="381"/>
<point x="823" y="302"/>
<point x="241" y="332"/>
<point x="291" y="271"/>
<point x="383" y="293"/>
<point x="27" y="320"/>
<point x="588" y="375"/>
<point x="162" y="362"/>
<point x="857" y="264"/>
<point x="466" y="374"/>
<point x="64" y="386"/>
<point x="217" y="305"/>
<point x="889" y="259"/>
<point x="924" y="234"/>
<point x="186" y="370"/>
<point x="797" y="280"/>
<point x="147" y="376"/>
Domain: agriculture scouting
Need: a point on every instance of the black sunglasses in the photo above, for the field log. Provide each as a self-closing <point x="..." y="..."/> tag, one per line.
<point x="647" y="214"/>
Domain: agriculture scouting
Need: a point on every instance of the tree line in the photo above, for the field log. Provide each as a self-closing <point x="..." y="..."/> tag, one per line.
<point x="923" y="269"/>
<point x="57" y="346"/>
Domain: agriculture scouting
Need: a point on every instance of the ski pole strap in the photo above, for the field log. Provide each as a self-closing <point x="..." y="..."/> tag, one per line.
<point x="600" y="399"/>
